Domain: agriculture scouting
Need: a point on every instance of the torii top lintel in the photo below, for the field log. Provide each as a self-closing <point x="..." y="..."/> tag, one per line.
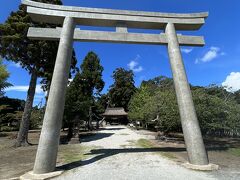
<point x="49" y="13"/>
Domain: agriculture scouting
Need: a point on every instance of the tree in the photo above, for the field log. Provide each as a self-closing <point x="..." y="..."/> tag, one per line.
<point x="36" y="117"/>
<point x="217" y="110"/>
<point x="37" y="57"/>
<point x="10" y="113"/>
<point x="77" y="103"/>
<point x="102" y="103"/>
<point x="156" y="98"/>
<point x="217" y="116"/>
<point x="162" y="82"/>
<point x="137" y="103"/>
<point x="82" y="90"/>
<point x="122" y="89"/>
<point x="91" y="74"/>
<point x="3" y="78"/>
<point x="237" y="96"/>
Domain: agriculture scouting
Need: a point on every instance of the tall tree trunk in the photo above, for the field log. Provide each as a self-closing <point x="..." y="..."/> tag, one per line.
<point x="90" y="127"/>
<point x="70" y="131"/>
<point x="22" y="138"/>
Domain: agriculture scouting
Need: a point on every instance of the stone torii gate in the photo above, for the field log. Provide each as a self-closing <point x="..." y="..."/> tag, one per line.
<point x="69" y="17"/>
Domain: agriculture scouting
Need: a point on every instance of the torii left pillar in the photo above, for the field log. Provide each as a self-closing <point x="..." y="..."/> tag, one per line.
<point x="45" y="161"/>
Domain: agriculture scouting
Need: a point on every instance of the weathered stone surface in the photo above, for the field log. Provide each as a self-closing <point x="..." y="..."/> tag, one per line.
<point x="103" y="17"/>
<point x="31" y="176"/>
<point x="113" y="37"/>
<point x="113" y="11"/>
<point x="45" y="161"/>
<point x="191" y="130"/>
<point x="208" y="167"/>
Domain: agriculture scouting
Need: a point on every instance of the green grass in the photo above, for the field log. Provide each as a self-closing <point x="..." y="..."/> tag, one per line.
<point x="124" y="134"/>
<point x="68" y="158"/>
<point x="168" y="155"/>
<point x="72" y="153"/>
<point x="144" y="143"/>
<point x="234" y="151"/>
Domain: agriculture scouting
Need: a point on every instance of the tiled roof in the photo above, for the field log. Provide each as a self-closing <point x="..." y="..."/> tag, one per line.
<point x="117" y="111"/>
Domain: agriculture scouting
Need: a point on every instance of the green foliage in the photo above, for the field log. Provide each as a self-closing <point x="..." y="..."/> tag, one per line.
<point x="237" y="96"/>
<point x="3" y="78"/>
<point x="17" y="47"/>
<point x="101" y="103"/>
<point x="156" y="98"/>
<point x="30" y="54"/>
<point x="217" y="110"/>
<point x="162" y="82"/>
<point x="36" y="118"/>
<point x="37" y="57"/>
<point x="217" y="115"/>
<point x="8" y="128"/>
<point x="77" y="103"/>
<point x="80" y="93"/>
<point x="91" y="74"/>
<point x="10" y="113"/>
<point x="137" y="103"/>
<point x="234" y="151"/>
<point x="164" y="104"/>
<point x="122" y="89"/>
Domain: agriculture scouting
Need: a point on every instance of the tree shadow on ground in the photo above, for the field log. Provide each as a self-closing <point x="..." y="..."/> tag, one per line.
<point x="93" y="137"/>
<point x="3" y="134"/>
<point x="222" y="142"/>
<point x="110" y="129"/>
<point x="210" y="142"/>
<point x="104" y="153"/>
<point x="86" y="137"/>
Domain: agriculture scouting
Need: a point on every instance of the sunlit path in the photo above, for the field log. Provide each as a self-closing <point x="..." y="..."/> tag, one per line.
<point x="117" y="158"/>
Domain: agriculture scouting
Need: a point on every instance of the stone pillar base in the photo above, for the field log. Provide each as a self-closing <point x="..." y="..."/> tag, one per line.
<point x="209" y="167"/>
<point x="31" y="176"/>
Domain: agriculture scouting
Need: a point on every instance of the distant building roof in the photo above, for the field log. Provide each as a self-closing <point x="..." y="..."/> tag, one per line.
<point x="117" y="111"/>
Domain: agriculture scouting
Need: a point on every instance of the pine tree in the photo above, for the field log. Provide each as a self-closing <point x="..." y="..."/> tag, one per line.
<point x="37" y="57"/>
<point x="81" y="92"/>
<point x="3" y="78"/>
<point x="123" y="88"/>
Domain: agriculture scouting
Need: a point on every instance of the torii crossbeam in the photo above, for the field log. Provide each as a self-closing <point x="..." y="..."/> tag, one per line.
<point x="69" y="17"/>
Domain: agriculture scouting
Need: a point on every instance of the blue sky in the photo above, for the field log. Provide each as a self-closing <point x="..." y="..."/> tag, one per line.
<point x="218" y="62"/>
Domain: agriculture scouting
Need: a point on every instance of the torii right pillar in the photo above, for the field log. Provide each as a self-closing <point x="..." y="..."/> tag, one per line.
<point x="197" y="154"/>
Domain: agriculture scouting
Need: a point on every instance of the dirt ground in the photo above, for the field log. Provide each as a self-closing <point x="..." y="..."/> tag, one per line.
<point x="16" y="161"/>
<point x="224" y="152"/>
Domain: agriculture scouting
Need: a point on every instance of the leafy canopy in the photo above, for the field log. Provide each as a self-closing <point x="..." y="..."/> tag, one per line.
<point x="82" y="90"/>
<point x="122" y="89"/>
<point x="30" y="54"/>
<point x="217" y="110"/>
<point x="3" y="78"/>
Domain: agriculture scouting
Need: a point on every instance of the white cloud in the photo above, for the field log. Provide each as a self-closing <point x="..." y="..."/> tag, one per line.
<point x="134" y="65"/>
<point x="25" y="89"/>
<point x="186" y="50"/>
<point x="232" y="82"/>
<point x="210" y="55"/>
<point x="16" y="65"/>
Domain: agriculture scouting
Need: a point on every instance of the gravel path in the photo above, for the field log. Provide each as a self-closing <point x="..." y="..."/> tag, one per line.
<point x="117" y="159"/>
